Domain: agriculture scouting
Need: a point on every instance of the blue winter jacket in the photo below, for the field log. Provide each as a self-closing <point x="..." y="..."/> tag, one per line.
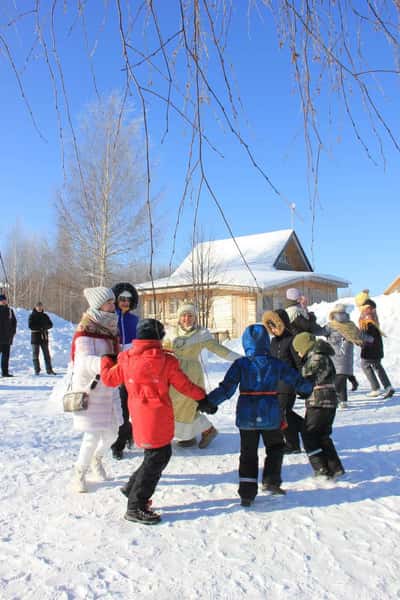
<point x="127" y="323"/>
<point x="257" y="375"/>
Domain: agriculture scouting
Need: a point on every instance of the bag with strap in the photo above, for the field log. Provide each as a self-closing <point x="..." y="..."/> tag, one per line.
<point x="77" y="401"/>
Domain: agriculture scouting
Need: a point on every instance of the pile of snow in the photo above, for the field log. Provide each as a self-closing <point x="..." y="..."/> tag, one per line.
<point x="323" y="540"/>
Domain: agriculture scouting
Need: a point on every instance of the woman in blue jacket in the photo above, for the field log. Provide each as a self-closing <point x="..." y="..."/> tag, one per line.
<point x="126" y="301"/>
<point x="258" y="413"/>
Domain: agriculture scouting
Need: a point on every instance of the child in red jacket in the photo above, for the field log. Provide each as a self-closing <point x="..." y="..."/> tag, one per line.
<point x="147" y="371"/>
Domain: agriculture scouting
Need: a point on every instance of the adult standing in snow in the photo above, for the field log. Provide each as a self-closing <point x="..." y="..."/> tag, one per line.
<point x="372" y="351"/>
<point x="39" y="323"/>
<point x="258" y="413"/>
<point x="148" y="372"/>
<point x="342" y="334"/>
<point x="126" y="301"/>
<point x="301" y="319"/>
<point x="187" y="340"/>
<point x="8" y="328"/>
<point x="320" y="406"/>
<point x="277" y="324"/>
<point x="96" y="334"/>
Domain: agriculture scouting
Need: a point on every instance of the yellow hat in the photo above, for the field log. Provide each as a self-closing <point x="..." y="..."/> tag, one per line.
<point x="361" y="298"/>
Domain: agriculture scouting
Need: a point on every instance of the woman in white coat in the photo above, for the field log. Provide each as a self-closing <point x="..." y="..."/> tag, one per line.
<point x="96" y="334"/>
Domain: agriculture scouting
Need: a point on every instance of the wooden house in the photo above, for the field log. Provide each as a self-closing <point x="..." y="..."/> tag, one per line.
<point x="239" y="279"/>
<point x="393" y="287"/>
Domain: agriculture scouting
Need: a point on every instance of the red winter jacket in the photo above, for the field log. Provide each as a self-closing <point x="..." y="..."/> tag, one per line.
<point x="147" y="372"/>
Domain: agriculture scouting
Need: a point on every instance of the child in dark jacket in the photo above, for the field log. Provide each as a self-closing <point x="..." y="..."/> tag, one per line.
<point x="320" y="406"/>
<point x="147" y="371"/>
<point x="258" y="412"/>
<point x="278" y="324"/>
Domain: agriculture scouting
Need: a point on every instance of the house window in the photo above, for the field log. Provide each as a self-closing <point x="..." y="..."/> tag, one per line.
<point x="173" y="304"/>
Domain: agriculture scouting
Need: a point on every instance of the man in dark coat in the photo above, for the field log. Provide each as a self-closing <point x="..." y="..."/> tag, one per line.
<point x="8" y="327"/>
<point x="39" y="323"/>
<point x="126" y="301"/>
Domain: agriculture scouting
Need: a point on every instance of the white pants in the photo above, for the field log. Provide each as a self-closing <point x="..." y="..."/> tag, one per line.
<point x="187" y="431"/>
<point x="94" y="443"/>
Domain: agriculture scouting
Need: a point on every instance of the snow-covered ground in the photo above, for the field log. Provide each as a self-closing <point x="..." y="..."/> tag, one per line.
<point x="323" y="541"/>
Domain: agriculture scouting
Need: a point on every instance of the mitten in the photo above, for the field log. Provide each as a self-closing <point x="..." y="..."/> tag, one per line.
<point x="205" y="406"/>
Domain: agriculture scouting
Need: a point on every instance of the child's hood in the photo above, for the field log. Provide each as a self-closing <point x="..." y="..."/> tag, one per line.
<point x="255" y="340"/>
<point x="322" y="347"/>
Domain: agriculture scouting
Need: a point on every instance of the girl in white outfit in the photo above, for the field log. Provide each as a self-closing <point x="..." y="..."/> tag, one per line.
<point x="96" y="334"/>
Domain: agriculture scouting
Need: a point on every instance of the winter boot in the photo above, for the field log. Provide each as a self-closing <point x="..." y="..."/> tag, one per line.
<point x="246" y="501"/>
<point x="36" y="366"/>
<point x="374" y="393"/>
<point x="275" y="489"/>
<point x="389" y="391"/>
<point x="78" y="482"/>
<point x="207" y="437"/>
<point x="117" y="453"/>
<point x="97" y="469"/>
<point x="187" y="443"/>
<point x="145" y="516"/>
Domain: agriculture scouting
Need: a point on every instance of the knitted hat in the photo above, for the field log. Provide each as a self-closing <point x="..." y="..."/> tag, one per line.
<point x="125" y="294"/>
<point x="2" y="297"/>
<point x="150" y="329"/>
<point x="97" y="296"/>
<point x="187" y="307"/>
<point x="293" y="294"/>
<point x="303" y="342"/>
<point x="361" y="298"/>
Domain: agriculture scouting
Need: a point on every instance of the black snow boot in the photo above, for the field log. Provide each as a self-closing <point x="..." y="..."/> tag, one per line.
<point x="145" y="516"/>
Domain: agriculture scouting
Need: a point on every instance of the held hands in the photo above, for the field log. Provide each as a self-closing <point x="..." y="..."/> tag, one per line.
<point x="206" y="407"/>
<point x="112" y="356"/>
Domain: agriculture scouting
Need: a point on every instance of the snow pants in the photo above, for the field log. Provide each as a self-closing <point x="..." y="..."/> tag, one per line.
<point x="317" y="442"/>
<point x="143" y="481"/>
<point x="248" y="461"/>
<point x="94" y="443"/>
<point x="125" y="430"/>
<point x="294" y="421"/>
<point x="370" y="367"/>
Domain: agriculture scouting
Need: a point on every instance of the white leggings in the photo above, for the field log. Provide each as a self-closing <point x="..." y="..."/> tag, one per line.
<point x="94" y="443"/>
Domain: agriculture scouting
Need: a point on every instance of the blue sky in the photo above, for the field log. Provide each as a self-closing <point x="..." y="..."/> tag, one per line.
<point x="356" y="227"/>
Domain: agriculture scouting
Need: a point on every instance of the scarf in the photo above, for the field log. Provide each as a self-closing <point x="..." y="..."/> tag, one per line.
<point x="368" y="316"/>
<point x="97" y="324"/>
<point x="348" y="330"/>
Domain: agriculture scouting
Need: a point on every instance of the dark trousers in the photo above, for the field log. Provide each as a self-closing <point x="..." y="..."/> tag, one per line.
<point x="293" y="420"/>
<point x="125" y="430"/>
<point x="248" y="461"/>
<point x="5" y="357"/>
<point x="341" y="387"/>
<point x="46" y="355"/>
<point x="317" y="442"/>
<point x="143" y="481"/>
<point x="370" y="367"/>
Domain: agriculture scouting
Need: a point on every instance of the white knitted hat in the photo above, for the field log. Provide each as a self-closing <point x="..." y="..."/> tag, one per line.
<point x="125" y="294"/>
<point x="97" y="296"/>
<point x="293" y="294"/>
<point x="187" y="307"/>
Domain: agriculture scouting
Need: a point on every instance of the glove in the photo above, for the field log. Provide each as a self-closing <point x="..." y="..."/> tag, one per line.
<point x="205" y="406"/>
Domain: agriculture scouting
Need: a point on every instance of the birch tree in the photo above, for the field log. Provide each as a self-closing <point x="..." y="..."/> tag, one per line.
<point x="101" y="207"/>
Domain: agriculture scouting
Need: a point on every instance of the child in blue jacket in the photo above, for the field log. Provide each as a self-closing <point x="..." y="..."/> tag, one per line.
<point x="258" y="412"/>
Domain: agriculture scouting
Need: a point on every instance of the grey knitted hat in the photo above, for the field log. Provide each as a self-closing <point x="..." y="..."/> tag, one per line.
<point x="97" y="296"/>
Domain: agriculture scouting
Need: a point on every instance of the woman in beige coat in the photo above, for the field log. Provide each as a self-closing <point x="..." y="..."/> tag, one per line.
<point x="187" y="340"/>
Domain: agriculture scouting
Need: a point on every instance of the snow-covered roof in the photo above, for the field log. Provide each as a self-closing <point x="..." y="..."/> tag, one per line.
<point x="227" y="267"/>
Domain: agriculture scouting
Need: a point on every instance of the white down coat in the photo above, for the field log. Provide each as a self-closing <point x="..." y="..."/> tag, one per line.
<point x="104" y="409"/>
